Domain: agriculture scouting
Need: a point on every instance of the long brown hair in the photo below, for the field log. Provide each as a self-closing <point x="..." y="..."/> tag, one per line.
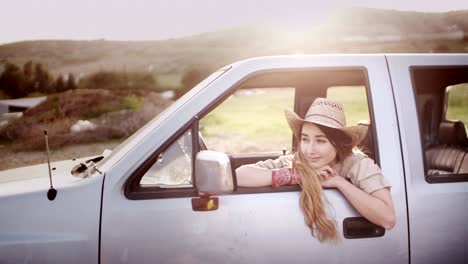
<point x="312" y="200"/>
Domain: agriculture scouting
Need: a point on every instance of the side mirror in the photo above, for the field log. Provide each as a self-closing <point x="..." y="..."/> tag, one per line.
<point x="213" y="173"/>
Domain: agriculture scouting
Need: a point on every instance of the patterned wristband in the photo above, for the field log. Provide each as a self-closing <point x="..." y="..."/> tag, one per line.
<point x="280" y="177"/>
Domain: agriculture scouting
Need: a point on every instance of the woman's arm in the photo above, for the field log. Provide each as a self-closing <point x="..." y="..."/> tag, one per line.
<point x="376" y="207"/>
<point x="253" y="176"/>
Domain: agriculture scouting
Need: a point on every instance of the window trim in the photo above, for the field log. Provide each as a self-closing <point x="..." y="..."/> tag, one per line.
<point x="447" y="178"/>
<point x="134" y="191"/>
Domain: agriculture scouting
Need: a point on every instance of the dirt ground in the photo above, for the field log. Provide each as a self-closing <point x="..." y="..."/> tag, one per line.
<point x="10" y="160"/>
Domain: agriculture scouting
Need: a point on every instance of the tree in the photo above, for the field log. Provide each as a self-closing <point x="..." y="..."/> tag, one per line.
<point x="60" y="85"/>
<point x="28" y="70"/>
<point x="71" y="82"/>
<point x="42" y="80"/>
<point x="12" y="81"/>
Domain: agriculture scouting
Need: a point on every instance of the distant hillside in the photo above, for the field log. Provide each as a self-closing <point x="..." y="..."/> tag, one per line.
<point x="351" y="30"/>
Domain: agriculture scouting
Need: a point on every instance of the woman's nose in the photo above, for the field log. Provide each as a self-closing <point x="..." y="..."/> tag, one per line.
<point x="310" y="148"/>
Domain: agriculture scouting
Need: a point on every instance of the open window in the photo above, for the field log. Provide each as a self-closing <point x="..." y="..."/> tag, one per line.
<point x="441" y="96"/>
<point x="250" y="121"/>
<point x="249" y="124"/>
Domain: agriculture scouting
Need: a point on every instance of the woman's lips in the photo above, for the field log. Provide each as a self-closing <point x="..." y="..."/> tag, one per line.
<point x="314" y="159"/>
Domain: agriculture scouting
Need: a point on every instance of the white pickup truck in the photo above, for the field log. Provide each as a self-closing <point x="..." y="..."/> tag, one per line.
<point x="168" y="194"/>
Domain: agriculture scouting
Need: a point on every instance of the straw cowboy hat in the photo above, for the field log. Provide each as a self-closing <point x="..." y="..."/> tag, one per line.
<point x="329" y="113"/>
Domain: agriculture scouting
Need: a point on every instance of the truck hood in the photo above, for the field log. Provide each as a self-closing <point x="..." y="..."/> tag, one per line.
<point x="36" y="178"/>
<point x="34" y="228"/>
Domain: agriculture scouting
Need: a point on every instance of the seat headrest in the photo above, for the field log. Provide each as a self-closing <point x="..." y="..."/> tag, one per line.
<point x="452" y="133"/>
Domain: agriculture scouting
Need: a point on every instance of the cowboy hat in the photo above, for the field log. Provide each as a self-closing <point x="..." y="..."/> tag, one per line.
<point x="328" y="113"/>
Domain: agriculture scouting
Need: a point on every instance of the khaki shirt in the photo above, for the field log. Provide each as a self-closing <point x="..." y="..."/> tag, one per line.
<point x="357" y="167"/>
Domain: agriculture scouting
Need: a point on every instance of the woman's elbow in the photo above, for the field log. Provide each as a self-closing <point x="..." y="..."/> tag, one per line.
<point x="389" y="222"/>
<point x="240" y="176"/>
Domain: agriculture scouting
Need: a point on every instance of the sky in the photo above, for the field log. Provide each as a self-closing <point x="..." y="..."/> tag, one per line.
<point x="162" y="19"/>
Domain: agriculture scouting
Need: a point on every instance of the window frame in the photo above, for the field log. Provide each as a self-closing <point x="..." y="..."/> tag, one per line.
<point x="133" y="189"/>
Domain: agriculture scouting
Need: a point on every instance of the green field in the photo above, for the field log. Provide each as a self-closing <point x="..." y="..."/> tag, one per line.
<point x="458" y="104"/>
<point x="253" y="120"/>
<point x="354" y="101"/>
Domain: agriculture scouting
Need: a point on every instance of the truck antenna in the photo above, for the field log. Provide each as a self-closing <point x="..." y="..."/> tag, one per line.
<point x="52" y="193"/>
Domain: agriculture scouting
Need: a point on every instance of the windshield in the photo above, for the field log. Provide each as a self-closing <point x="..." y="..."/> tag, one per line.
<point x="129" y="142"/>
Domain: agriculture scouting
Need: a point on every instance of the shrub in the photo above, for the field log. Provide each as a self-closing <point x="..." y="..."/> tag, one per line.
<point x="131" y="103"/>
<point x="119" y="80"/>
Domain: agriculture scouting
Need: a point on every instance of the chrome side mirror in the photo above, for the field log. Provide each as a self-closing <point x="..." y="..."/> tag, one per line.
<point x="213" y="173"/>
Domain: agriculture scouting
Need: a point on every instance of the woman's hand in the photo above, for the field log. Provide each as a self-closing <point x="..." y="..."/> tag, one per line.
<point x="330" y="179"/>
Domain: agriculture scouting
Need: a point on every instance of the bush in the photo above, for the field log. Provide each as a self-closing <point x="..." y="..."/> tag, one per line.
<point x="119" y="80"/>
<point x="131" y="103"/>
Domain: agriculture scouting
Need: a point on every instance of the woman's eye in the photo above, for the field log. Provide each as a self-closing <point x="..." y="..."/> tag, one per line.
<point x="321" y="141"/>
<point x="304" y="139"/>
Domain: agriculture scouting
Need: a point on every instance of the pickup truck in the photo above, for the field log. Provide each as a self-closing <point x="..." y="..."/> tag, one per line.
<point x="168" y="194"/>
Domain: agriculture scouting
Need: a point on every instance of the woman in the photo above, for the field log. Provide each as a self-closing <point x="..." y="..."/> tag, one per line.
<point x="326" y="159"/>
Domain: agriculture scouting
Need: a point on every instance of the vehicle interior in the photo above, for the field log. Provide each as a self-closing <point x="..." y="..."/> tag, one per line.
<point x="444" y="140"/>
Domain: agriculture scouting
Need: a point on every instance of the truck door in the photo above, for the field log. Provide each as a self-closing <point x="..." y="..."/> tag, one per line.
<point x="147" y="212"/>
<point x="431" y="95"/>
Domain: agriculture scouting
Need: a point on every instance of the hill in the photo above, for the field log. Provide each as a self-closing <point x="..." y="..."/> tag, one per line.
<point x="351" y="30"/>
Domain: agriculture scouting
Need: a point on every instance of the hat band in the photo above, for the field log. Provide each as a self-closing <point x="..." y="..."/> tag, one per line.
<point x="342" y="125"/>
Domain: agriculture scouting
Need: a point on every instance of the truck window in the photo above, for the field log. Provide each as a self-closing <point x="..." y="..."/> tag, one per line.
<point x="173" y="167"/>
<point x="250" y="124"/>
<point x="441" y="96"/>
<point x="249" y="121"/>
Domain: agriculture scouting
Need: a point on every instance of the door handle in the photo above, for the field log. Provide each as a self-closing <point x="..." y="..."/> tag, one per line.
<point x="360" y="227"/>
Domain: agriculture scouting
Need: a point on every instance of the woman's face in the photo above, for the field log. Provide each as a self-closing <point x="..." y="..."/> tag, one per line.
<point x="316" y="147"/>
